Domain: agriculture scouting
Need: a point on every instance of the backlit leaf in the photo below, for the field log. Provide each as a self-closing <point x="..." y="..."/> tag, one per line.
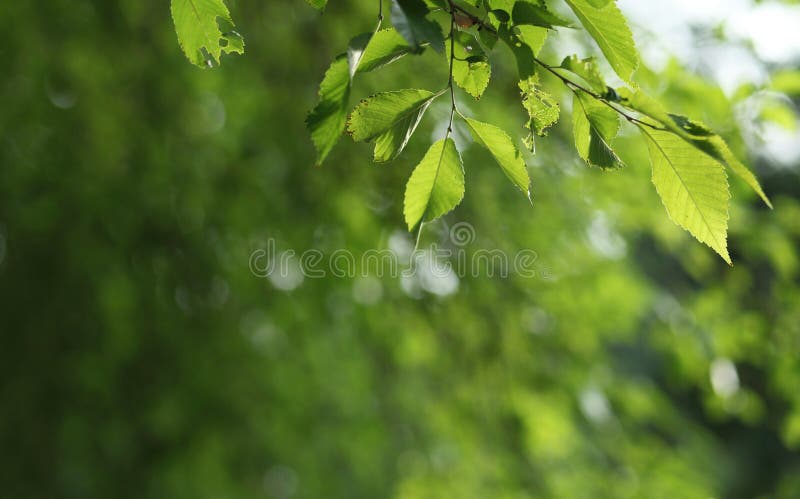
<point x="436" y="185"/>
<point x="693" y="187"/>
<point x="503" y="150"/>
<point x="197" y="23"/>
<point x="389" y="118"/>
<point x="594" y="126"/>
<point x="610" y="30"/>
<point x="326" y="121"/>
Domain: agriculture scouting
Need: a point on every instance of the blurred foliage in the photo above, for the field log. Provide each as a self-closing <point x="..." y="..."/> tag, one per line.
<point x="141" y="358"/>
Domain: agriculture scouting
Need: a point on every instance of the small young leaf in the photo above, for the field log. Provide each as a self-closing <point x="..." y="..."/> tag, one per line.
<point x="318" y="4"/>
<point x="436" y="185"/>
<point x="542" y="108"/>
<point x="390" y="119"/>
<point x="587" y="69"/>
<point x="326" y="121"/>
<point x="408" y="17"/>
<point x="199" y="34"/>
<point x="693" y="187"/>
<point x="610" y="30"/>
<point x="595" y="125"/>
<point x="503" y="151"/>
<point x="471" y="71"/>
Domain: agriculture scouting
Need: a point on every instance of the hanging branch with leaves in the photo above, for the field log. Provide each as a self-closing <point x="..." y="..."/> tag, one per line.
<point x="689" y="161"/>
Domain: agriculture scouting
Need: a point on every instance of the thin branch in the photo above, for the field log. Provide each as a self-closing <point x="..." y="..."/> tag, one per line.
<point x="566" y="81"/>
<point x="453" y="8"/>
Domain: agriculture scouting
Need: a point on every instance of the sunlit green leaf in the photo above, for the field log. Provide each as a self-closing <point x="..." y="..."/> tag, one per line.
<point x="594" y="126"/>
<point x="436" y="186"/>
<point x="693" y="187"/>
<point x="389" y="118"/>
<point x="610" y="30"/>
<point x="326" y="121"/>
<point x="504" y="152"/>
<point x="471" y="70"/>
<point x="694" y="133"/>
<point x="197" y="23"/>
<point x="385" y="47"/>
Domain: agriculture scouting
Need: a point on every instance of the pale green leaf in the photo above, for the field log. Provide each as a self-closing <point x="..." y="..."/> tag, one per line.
<point x="408" y="17"/>
<point x="610" y="30"/>
<point x="694" y="133"/>
<point x="693" y="187"/>
<point x="786" y="81"/>
<point x="594" y="126"/>
<point x="390" y="119"/>
<point x="436" y="185"/>
<point x="197" y="24"/>
<point x="326" y="121"/>
<point x="503" y="151"/>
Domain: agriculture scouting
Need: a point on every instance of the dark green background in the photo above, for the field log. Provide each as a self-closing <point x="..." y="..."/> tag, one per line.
<point x="141" y="358"/>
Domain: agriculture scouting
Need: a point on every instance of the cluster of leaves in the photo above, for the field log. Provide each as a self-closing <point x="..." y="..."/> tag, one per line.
<point x="688" y="160"/>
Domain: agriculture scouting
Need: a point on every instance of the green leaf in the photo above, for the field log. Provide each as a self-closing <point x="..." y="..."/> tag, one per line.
<point x="355" y="51"/>
<point x="436" y="185"/>
<point x="390" y="119"/>
<point x="318" y="4"/>
<point x="720" y="148"/>
<point x="326" y="121"/>
<point x="504" y="152"/>
<point x="197" y="24"/>
<point x="385" y="47"/>
<point x="610" y="30"/>
<point x="588" y="71"/>
<point x="536" y="14"/>
<point x="471" y="71"/>
<point x="693" y="187"/>
<point x="408" y="17"/>
<point x="542" y="108"/>
<point x="786" y="81"/>
<point x="594" y="126"/>
<point x="692" y="132"/>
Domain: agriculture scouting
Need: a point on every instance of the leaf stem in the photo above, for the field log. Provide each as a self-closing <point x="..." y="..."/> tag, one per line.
<point x="453" y="8"/>
<point x="380" y="15"/>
